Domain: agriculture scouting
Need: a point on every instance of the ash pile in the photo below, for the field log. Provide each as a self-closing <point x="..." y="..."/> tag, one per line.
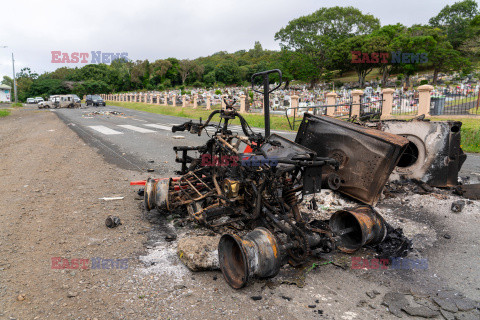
<point x="274" y="201"/>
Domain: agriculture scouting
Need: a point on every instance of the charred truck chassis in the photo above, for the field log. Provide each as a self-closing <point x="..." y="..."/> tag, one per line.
<point x="257" y="193"/>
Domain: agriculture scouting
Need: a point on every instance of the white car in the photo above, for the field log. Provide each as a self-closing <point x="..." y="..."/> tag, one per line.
<point x="39" y="99"/>
<point x="30" y="100"/>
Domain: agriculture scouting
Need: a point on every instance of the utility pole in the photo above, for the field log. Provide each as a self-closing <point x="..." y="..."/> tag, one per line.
<point x="14" y="81"/>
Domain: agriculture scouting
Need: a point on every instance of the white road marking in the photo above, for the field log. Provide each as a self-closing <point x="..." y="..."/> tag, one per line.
<point x="158" y="126"/>
<point x="134" y="128"/>
<point x="105" y="130"/>
<point x="139" y="120"/>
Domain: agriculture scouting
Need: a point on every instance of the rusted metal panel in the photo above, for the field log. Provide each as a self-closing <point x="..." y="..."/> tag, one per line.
<point x="433" y="155"/>
<point x="366" y="156"/>
<point x="469" y="191"/>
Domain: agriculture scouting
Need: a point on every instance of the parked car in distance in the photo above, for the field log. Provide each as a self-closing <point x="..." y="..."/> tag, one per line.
<point x="94" y="100"/>
<point x="38" y="99"/>
<point x="60" y="101"/>
<point x="76" y="98"/>
<point x="30" y="101"/>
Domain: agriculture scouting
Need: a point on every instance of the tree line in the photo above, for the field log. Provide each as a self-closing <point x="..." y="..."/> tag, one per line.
<point x="314" y="48"/>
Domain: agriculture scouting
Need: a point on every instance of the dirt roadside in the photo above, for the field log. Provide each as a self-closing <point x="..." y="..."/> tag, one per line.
<point x="49" y="207"/>
<point x="50" y="187"/>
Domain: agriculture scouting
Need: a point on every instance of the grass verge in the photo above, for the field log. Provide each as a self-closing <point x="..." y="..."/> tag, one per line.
<point x="4" y="112"/>
<point x="255" y="120"/>
<point x="470" y="128"/>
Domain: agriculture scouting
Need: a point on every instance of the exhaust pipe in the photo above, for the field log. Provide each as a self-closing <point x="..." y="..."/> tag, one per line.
<point x="256" y="255"/>
<point x="357" y="227"/>
<point x="156" y="194"/>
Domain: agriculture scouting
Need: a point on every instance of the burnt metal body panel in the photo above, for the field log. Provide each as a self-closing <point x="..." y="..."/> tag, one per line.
<point x="366" y="156"/>
<point x="469" y="191"/>
<point x="434" y="155"/>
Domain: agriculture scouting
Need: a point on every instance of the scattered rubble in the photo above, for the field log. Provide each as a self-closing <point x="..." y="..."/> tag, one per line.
<point x="395" y="302"/>
<point x="112" y="222"/>
<point x="457" y="206"/>
<point x="103" y="113"/>
<point x="431" y="305"/>
<point x="421" y="311"/>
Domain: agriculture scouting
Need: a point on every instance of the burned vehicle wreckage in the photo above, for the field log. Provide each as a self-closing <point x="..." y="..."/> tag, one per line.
<point x="252" y="197"/>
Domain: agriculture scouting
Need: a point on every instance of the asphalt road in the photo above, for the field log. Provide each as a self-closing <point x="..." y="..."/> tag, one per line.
<point x="133" y="139"/>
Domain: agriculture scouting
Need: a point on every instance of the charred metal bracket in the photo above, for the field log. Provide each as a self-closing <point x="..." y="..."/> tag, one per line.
<point x="185" y="157"/>
<point x="433" y="154"/>
<point x="366" y="156"/>
<point x="292" y="155"/>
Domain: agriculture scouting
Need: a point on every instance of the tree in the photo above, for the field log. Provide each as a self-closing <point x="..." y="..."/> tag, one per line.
<point x="209" y="78"/>
<point x="415" y="40"/>
<point x="388" y="33"/>
<point x="296" y="65"/>
<point x="140" y="73"/>
<point x="47" y="87"/>
<point x="160" y="68"/>
<point x="91" y="87"/>
<point x="316" y="35"/>
<point x="257" y="50"/>
<point x="471" y="46"/>
<point x="367" y="49"/>
<point x="185" y="67"/>
<point x="7" y="81"/>
<point x="444" y="58"/>
<point x="228" y="72"/>
<point x="455" y="19"/>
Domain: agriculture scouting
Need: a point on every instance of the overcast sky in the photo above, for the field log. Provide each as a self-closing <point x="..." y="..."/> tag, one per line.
<point x="162" y="29"/>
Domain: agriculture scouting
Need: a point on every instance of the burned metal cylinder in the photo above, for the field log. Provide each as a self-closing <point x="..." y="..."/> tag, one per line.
<point x="433" y="155"/>
<point x="357" y="227"/>
<point x="257" y="254"/>
<point x="156" y="194"/>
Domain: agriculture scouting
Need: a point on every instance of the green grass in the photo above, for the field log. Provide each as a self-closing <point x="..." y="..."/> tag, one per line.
<point x="4" y="112"/>
<point x="277" y="122"/>
<point x="470" y="133"/>
<point x="17" y="105"/>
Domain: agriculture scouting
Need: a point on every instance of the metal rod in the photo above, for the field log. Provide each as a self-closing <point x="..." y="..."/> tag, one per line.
<point x="14" y="81"/>
<point x="266" y="104"/>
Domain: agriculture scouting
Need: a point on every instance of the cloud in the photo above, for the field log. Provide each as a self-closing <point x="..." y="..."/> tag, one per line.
<point x="161" y="29"/>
